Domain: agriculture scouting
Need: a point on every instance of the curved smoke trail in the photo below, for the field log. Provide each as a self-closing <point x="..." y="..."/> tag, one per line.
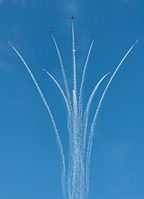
<point x="89" y="148"/>
<point x="61" y="90"/>
<point x="69" y="118"/>
<point x="51" y="116"/>
<point x="86" y="113"/>
<point x="70" y="106"/>
<point x="62" y="70"/>
<point x="83" y="75"/>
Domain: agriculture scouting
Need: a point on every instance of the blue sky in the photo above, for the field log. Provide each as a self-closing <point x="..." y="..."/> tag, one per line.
<point x="30" y="165"/>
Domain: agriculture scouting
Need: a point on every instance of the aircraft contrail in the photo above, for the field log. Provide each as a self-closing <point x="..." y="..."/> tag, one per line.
<point x="62" y="70"/>
<point x="51" y="116"/>
<point x="86" y="113"/>
<point x="61" y="90"/>
<point x="69" y="115"/>
<point x="84" y="73"/>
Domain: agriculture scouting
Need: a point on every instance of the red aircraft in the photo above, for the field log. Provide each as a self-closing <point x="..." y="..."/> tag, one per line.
<point x="72" y="17"/>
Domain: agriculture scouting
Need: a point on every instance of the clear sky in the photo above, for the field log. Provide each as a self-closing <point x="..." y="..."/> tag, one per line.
<point x="30" y="166"/>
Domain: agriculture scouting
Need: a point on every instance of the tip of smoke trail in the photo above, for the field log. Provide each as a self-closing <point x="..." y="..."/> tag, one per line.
<point x="136" y="41"/>
<point x="46" y="71"/>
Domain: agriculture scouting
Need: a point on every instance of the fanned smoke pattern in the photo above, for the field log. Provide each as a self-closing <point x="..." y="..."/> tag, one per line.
<point x="75" y="175"/>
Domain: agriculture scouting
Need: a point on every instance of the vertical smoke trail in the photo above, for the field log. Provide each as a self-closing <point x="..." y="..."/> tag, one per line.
<point x="74" y="60"/>
<point x="83" y="74"/>
<point x="96" y="115"/>
<point x="86" y="113"/>
<point x="77" y="168"/>
<point x="75" y="149"/>
<point x="75" y="176"/>
<point x="51" y="116"/>
<point x="62" y="70"/>
<point x="78" y="161"/>
<point x="75" y="156"/>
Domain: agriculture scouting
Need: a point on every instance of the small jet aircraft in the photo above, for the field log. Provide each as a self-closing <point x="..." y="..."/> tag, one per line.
<point x="95" y="35"/>
<point x="50" y="30"/>
<point x="72" y="17"/>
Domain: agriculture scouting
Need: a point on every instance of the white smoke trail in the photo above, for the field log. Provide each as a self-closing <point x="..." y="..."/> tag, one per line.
<point x="51" y="116"/>
<point x="74" y="185"/>
<point x="83" y="74"/>
<point x="89" y="148"/>
<point x="75" y="175"/>
<point x="61" y="90"/>
<point x="78" y="163"/>
<point x="75" y="149"/>
<point x="77" y="172"/>
<point x="74" y="60"/>
<point x="80" y="101"/>
<point x="62" y="70"/>
<point x="86" y="113"/>
<point x="69" y="117"/>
